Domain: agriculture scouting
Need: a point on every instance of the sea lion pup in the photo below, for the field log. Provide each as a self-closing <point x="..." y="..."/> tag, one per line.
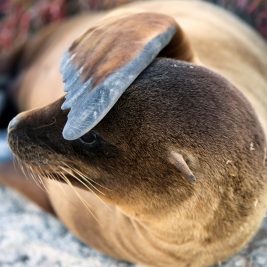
<point x="128" y="185"/>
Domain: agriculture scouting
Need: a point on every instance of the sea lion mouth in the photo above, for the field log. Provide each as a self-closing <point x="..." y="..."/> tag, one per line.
<point x="26" y="150"/>
<point x="61" y="172"/>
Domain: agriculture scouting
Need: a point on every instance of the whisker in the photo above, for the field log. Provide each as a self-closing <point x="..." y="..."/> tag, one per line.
<point x="15" y="163"/>
<point x="86" y="180"/>
<point x="37" y="179"/>
<point x="57" y="178"/>
<point x="42" y="174"/>
<point x="37" y="173"/>
<point x="78" y="195"/>
<point x="86" y="177"/>
<point x="90" y="189"/>
<point x="79" y="180"/>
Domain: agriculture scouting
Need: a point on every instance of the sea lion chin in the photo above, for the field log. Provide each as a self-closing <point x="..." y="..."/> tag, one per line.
<point x="175" y="124"/>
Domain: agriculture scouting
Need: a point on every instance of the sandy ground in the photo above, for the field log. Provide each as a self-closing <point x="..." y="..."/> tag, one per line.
<point x="31" y="238"/>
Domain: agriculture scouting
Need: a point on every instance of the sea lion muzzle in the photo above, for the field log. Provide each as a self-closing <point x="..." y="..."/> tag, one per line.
<point x="35" y="138"/>
<point x="28" y="131"/>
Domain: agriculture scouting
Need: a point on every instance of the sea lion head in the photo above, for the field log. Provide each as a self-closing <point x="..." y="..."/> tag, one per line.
<point x="177" y="121"/>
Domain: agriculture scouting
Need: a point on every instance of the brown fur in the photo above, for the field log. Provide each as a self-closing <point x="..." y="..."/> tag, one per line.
<point x="152" y="214"/>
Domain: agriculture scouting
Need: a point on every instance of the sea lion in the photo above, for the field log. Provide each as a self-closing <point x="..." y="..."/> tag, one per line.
<point x="175" y="173"/>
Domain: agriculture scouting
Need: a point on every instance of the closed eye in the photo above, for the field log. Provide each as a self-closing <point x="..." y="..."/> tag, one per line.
<point x="89" y="139"/>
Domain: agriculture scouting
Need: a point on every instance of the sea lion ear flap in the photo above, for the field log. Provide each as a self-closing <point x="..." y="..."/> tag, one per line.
<point x="179" y="162"/>
<point x="104" y="61"/>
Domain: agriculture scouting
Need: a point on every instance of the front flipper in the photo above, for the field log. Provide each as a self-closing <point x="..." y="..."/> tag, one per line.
<point x="104" y="61"/>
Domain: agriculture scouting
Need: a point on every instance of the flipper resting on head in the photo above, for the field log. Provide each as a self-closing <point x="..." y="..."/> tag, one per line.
<point x="104" y="61"/>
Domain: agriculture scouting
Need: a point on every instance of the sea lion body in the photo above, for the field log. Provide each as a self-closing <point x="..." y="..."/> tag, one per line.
<point x="167" y="237"/>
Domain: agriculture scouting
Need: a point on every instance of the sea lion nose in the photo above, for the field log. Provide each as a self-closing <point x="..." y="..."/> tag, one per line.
<point x="13" y="124"/>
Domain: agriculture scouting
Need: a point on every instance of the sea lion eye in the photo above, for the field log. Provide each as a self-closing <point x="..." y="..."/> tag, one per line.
<point x="89" y="138"/>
